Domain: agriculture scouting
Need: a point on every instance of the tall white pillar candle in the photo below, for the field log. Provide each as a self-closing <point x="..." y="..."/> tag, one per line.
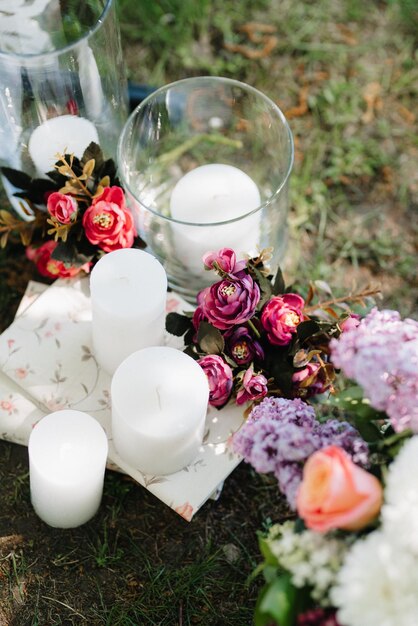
<point x="128" y="294"/>
<point x="211" y="194"/>
<point x="67" y="459"/>
<point x="66" y="133"/>
<point x="159" y="403"/>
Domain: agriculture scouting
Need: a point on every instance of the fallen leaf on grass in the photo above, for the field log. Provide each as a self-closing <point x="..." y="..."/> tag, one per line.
<point x="371" y="95"/>
<point x="256" y="33"/>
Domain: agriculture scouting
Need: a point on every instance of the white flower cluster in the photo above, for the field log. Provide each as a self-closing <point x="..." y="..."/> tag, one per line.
<point x="312" y="559"/>
<point x="378" y="582"/>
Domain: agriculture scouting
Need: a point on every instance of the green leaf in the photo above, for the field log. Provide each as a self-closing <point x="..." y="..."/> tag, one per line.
<point x="210" y="339"/>
<point x="307" y="329"/>
<point x="277" y="601"/>
<point x="265" y="550"/>
<point x="177" y="324"/>
<point x="17" y="178"/>
<point x="279" y="285"/>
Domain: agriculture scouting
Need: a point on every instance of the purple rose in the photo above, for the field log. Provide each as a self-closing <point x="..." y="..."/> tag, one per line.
<point x="310" y="380"/>
<point x="281" y="316"/>
<point x="225" y="259"/>
<point x="220" y="378"/>
<point x="230" y="302"/>
<point x="254" y="387"/>
<point x="242" y="347"/>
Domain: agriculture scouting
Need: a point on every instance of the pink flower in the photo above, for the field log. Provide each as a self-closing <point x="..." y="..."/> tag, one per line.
<point x="281" y="317"/>
<point x="62" y="207"/>
<point x="336" y="493"/>
<point x="226" y="259"/>
<point x="21" y="372"/>
<point x="220" y="377"/>
<point x="254" y="387"/>
<point x="52" y="268"/>
<point x="185" y="510"/>
<point x="310" y="380"/>
<point x="8" y="406"/>
<point x="108" y="223"/>
<point x="351" y="322"/>
<point x="230" y="302"/>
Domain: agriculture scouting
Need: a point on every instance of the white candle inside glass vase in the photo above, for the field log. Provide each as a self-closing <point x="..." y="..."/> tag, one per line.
<point x="211" y="194"/>
<point x="128" y="294"/>
<point x="67" y="459"/>
<point x="159" y="403"/>
<point x="67" y="133"/>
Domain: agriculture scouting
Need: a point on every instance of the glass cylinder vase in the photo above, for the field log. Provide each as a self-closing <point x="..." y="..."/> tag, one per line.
<point x="206" y="162"/>
<point x="62" y="82"/>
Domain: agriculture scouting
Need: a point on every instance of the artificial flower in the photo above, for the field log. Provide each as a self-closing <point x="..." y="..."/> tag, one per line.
<point x="254" y="387"/>
<point x="107" y="223"/>
<point x="337" y="493"/>
<point x="281" y="316"/>
<point x="242" y="347"/>
<point x="53" y="268"/>
<point x="220" y="376"/>
<point x="225" y="259"/>
<point x="230" y="302"/>
<point x="62" y="207"/>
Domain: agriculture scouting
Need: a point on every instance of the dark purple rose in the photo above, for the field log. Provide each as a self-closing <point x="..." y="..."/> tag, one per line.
<point x="220" y="378"/>
<point x="230" y="302"/>
<point x="225" y="259"/>
<point x="310" y="380"/>
<point x="254" y="387"/>
<point x="242" y="347"/>
<point x="318" y="617"/>
<point x="281" y="316"/>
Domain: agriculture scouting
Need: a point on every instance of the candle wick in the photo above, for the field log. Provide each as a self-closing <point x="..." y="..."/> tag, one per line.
<point x="157" y="391"/>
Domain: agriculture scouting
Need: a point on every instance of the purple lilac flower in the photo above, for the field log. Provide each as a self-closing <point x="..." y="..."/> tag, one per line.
<point x="281" y="434"/>
<point x="381" y="355"/>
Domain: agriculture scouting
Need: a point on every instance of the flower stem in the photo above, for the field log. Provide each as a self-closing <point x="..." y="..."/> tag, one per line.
<point x="254" y="329"/>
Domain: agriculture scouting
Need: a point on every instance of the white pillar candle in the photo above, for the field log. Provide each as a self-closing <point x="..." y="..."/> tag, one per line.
<point x="208" y="194"/>
<point x="128" y="294"/>
<point x="66" y="133"/>
<point x="67" y="459"/>
<point x="159" y="403"/>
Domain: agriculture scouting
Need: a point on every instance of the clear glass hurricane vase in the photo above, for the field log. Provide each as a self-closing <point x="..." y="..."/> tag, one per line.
<point x="206" y="163"/>
<point x="62" y="81"/>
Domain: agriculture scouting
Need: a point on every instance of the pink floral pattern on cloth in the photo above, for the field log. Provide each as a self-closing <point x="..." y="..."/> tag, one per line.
<point x="47" y="363"/>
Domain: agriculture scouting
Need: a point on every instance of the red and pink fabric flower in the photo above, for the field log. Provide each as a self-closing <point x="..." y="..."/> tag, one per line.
<point x="108" y="223"/>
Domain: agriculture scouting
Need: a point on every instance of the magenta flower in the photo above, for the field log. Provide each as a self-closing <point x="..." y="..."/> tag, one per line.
<point x="220" y="376"/>
<point x="226" y="259"/>
<point x="254" y="387"/>
<point x="281" y="316"/>
<point x="230" y="302"/>
<point x="62" y="207"/>
<point x="242" y="347"/>
<point x="310" y="380"/>
<point x="351" y="322"/>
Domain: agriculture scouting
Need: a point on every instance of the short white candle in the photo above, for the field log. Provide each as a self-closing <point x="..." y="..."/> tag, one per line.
<point x="159" y="403"/>
<point x="67" y="459"/>
<point x="66" y="133"/>
<point x="128" y="294"/>
<point x="208" y="194"/>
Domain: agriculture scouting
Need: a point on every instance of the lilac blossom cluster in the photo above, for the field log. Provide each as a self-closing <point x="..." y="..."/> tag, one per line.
<point x="281" y="434"/>
<point x="381" y="355"/>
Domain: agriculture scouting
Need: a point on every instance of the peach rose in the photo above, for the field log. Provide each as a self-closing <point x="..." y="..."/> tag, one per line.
<point x="336" y="493"/>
